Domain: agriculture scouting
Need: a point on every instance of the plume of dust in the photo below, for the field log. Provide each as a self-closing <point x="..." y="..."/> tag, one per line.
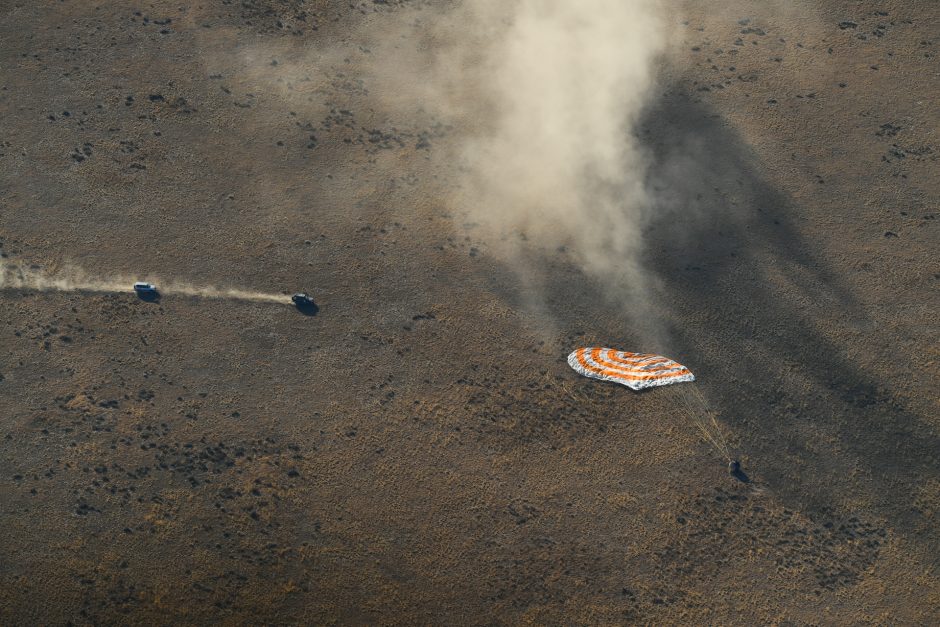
<point x="551" y="159"/>
<point x="72" y="279"/>
<point x="543" y="96"/>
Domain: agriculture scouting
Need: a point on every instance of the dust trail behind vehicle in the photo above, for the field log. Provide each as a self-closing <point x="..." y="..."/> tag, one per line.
<point x="72" y="279"/>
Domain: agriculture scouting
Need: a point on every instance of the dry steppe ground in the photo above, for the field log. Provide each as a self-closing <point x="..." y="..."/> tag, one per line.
<point x="418" y="452"/>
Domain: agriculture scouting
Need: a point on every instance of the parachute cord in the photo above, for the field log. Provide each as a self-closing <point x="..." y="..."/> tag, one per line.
<point x="695" y="407"/>
<point x="721" y="443"/>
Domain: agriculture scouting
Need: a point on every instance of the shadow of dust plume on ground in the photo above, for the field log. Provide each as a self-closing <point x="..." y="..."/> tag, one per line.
<point x="718" y="237"/>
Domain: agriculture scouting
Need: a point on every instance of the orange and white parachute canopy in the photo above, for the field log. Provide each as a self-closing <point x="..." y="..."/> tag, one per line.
<point x="634" y="370"/>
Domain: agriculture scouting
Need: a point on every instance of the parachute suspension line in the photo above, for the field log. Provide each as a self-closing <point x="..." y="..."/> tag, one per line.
<point x="712" y="417"/>
<point x="692" y="407"/>
<point x="693" y="414"/>
<point x="692" y="411"/>
<point x="706" y="421"/>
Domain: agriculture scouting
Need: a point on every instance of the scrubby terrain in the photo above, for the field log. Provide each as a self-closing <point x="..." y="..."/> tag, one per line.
<point x="419" y="452"/>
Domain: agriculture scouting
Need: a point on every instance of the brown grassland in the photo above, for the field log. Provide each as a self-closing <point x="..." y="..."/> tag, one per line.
<point x="418" y="451"/>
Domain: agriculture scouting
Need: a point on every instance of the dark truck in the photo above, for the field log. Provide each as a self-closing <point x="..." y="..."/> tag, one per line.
<point x="302" y="299"/>
<point x="145" y="289"/>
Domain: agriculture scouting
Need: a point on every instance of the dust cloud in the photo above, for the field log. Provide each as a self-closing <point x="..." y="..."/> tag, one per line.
<point x="550" y="161"/>
<point x="565" y="82"/>
<point x="542" y="97"/>
<point x="73" y="279"/>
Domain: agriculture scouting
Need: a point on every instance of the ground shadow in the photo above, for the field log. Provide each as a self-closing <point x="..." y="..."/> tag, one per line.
<point x="740" y="475"/>
<point x="766" y="292"/>
<point x="308" y="309"/>
<point x="742" y="296"/>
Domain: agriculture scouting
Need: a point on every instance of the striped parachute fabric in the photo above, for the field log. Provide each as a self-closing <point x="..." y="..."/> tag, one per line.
<point x="634" y="370"/>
